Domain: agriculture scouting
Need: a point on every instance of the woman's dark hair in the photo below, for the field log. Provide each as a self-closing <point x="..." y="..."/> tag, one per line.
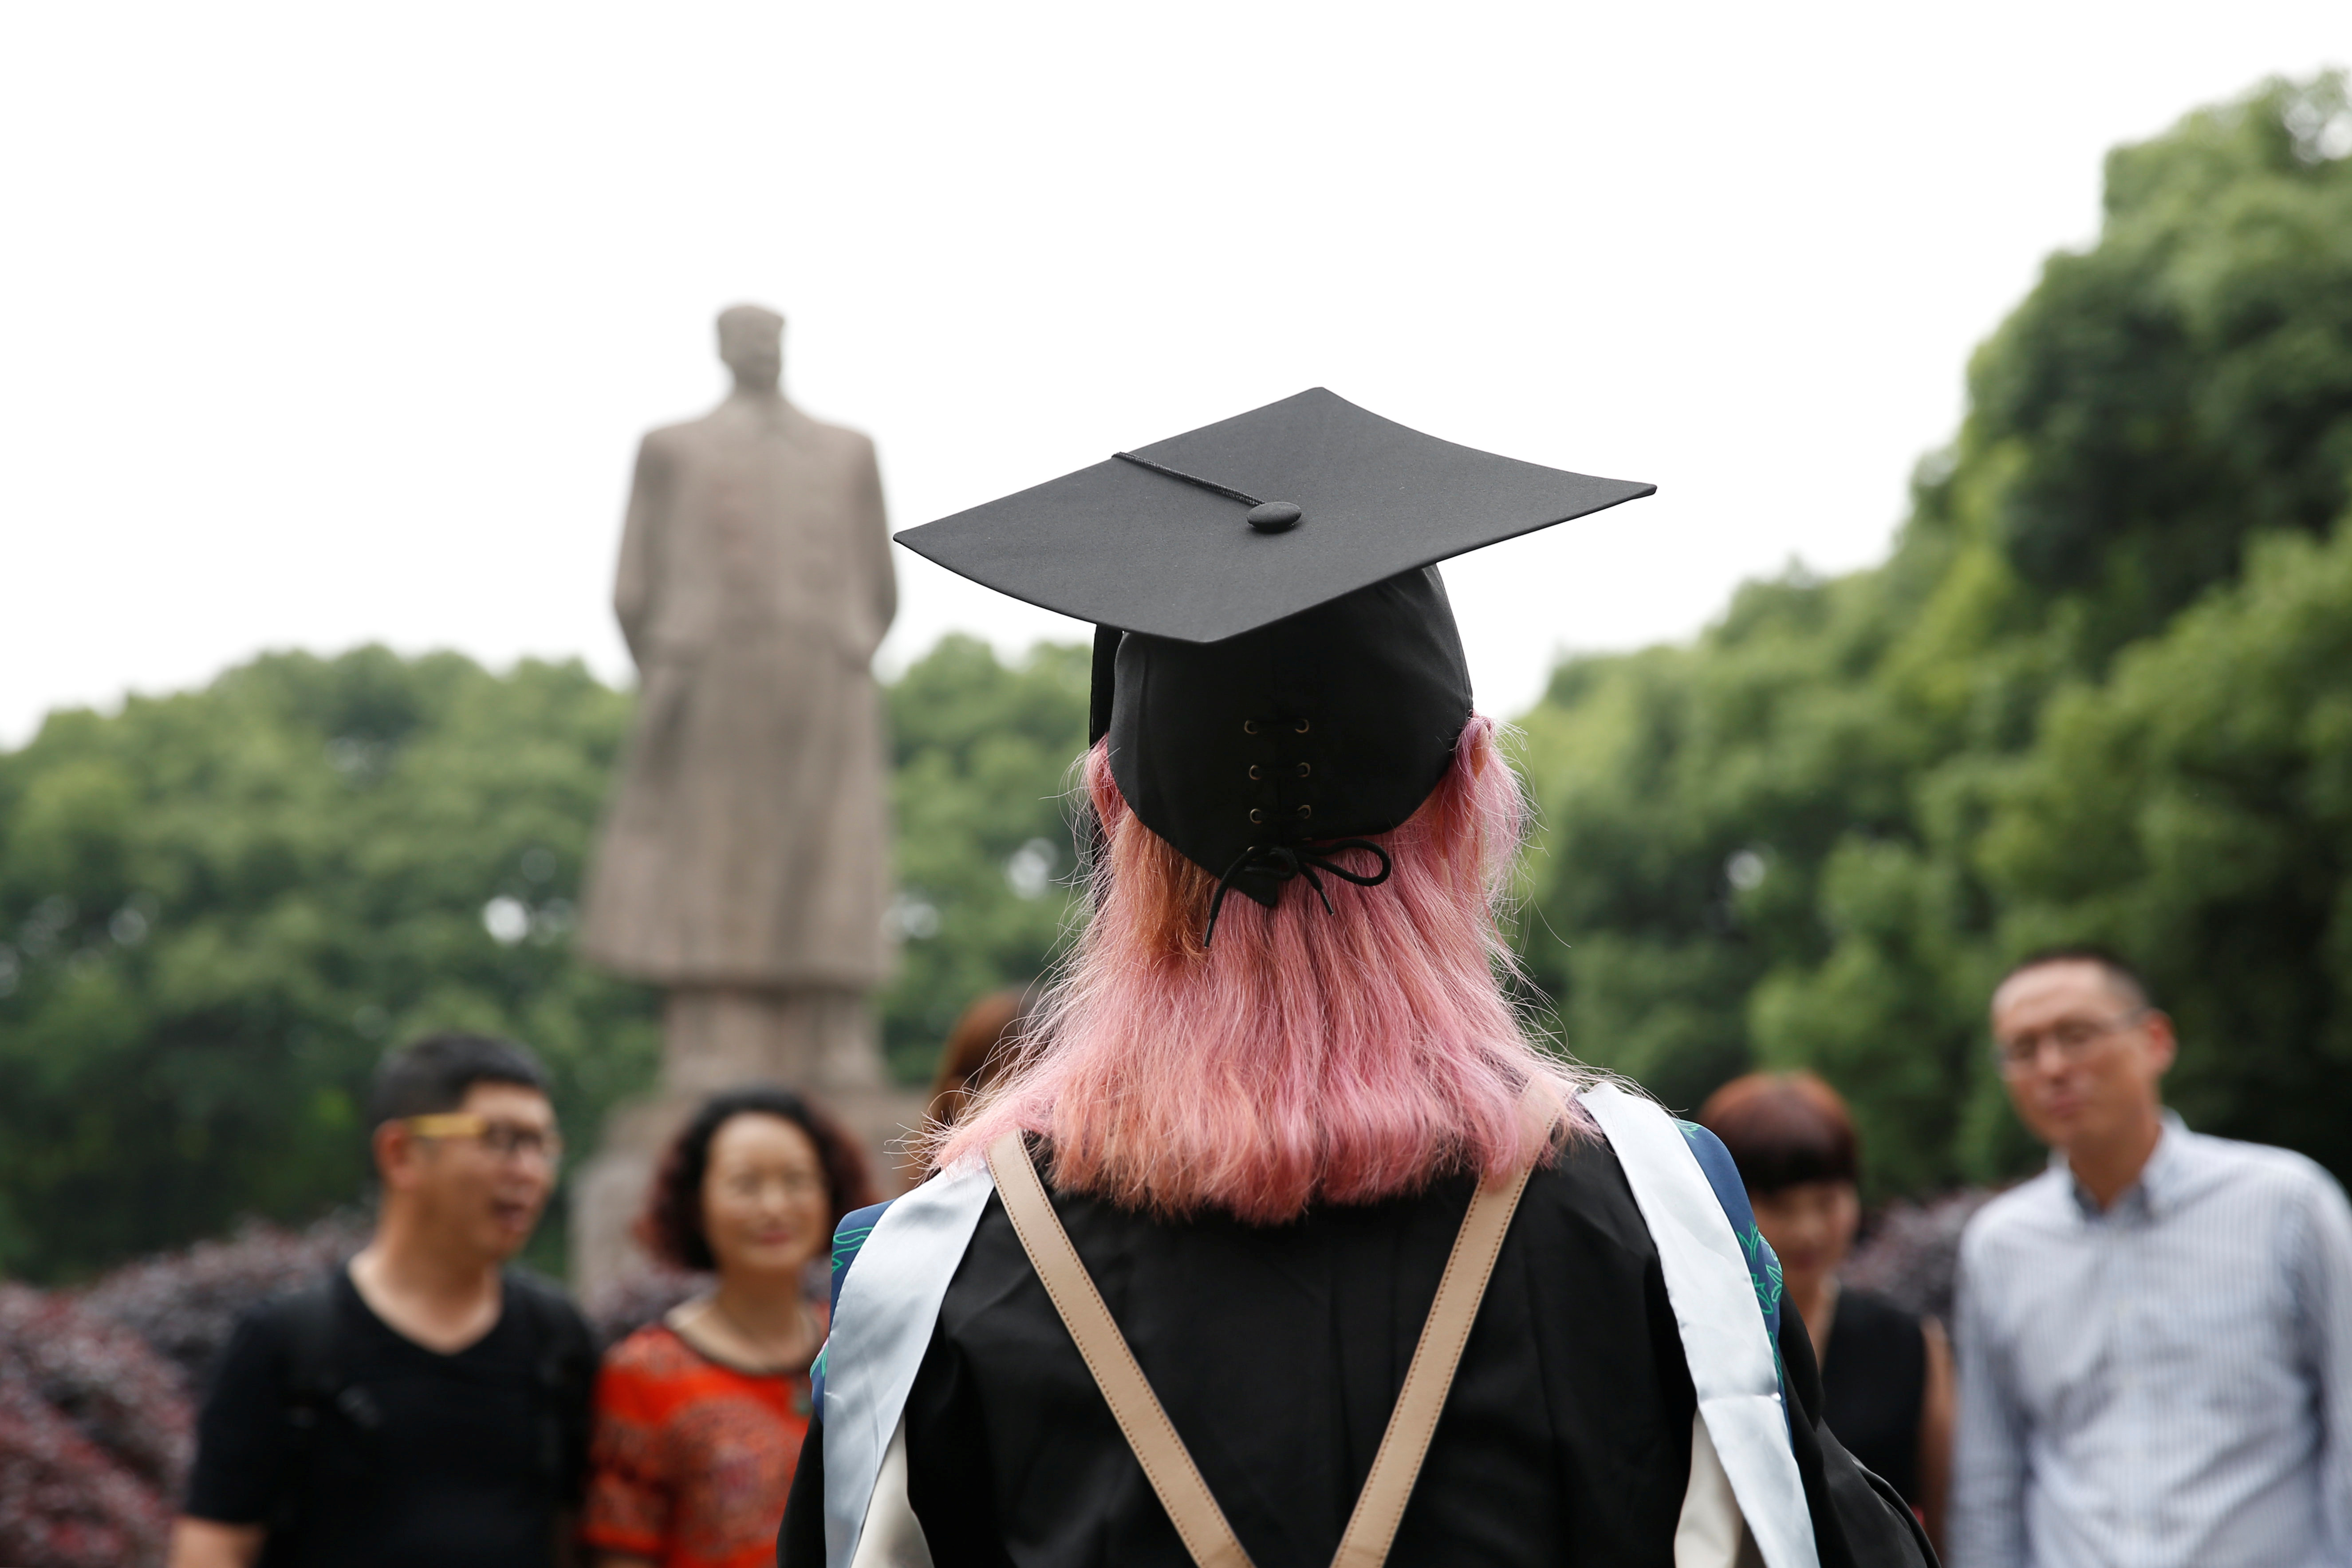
<point x="671" y="1227"/>
<point x="1783" y="1129"/>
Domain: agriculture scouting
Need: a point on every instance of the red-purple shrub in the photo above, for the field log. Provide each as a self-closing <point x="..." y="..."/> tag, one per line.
<point x="1913" y="1252"/>
<point x="95" y="1434"/>
<point x="63" y="1503"/>
<point x="184" y="1303"/>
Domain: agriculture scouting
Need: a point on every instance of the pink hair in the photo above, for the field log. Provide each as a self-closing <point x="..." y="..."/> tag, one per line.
<point x="1304" y="1056"/>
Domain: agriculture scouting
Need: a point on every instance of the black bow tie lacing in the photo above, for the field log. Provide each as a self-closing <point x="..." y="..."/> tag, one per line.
<point x="1284" y="862"/>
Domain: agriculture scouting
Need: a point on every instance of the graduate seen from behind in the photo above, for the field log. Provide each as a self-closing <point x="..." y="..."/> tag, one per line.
<point x="425" y="1404"/>
<point x="1275" y="1178"/>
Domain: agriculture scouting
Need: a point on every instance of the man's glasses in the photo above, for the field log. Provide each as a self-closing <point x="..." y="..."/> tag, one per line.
<point x="2072" y="1038"/>
<point x="504" y="1139"/>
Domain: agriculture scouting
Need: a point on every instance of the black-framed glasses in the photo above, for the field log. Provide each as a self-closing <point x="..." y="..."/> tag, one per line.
<point x="2072" y="1038"/>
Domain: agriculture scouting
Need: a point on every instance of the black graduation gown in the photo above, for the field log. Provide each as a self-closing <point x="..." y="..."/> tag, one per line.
<point x="1279" y="1352"/>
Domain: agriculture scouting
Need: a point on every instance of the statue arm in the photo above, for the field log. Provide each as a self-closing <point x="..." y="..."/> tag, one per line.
<point x="635" y="585"/>
<point x="874" y="527"/>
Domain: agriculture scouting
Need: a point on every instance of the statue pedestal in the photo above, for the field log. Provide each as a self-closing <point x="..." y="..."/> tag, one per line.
<point x="820" y="1042"/>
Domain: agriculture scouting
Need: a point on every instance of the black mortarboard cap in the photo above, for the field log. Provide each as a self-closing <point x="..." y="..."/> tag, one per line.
<point x="1277" y="668"/>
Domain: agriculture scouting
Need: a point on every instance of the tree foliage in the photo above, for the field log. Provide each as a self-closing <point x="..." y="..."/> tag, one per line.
<point x="983" y="755"/>
<point x="218" y="908"/>
<point x="2099" y="692"/>
<point x="2101" y="689"/>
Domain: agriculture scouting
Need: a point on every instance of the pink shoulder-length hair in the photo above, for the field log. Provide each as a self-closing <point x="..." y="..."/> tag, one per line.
<point x="1306" y="1056"/>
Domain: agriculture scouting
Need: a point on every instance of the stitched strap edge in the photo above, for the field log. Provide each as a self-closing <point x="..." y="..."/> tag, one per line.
<point x="1208" y="1538"/>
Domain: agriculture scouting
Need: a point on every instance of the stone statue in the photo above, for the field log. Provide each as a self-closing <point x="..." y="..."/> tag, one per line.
<point x="744" y="862"/>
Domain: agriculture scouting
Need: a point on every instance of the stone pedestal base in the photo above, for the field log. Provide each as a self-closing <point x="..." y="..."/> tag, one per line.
<point x="820" y="1042"/>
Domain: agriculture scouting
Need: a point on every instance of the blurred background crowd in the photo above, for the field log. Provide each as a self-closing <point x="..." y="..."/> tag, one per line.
<point x="2100" y="689"/>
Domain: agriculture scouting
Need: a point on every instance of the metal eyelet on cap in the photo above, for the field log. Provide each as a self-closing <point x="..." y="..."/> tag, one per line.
<point x="1249" y="726"/>
<point x="1305" y="812"/>
<point x="1256" y="815"/>
<point x="1256" y="772"/>
<point x="1305" y="769"/>
<point x="1300" y="728"/>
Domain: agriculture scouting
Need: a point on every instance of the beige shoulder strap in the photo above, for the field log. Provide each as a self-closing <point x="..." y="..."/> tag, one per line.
<point x="1166" y="1465"/>
<point x="1199" y="1522"/>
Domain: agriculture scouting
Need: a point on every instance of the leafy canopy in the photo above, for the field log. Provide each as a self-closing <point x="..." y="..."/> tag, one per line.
<point x="2098" y="692"/>
<point x="218" y="908"/>
<point x="2101" y="689"/>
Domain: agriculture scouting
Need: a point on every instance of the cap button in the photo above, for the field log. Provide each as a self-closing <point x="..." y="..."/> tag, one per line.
<point x="1275" y="517"/>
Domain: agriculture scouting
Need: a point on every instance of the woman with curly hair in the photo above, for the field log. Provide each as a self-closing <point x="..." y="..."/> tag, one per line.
<point x="699" y="1417"/>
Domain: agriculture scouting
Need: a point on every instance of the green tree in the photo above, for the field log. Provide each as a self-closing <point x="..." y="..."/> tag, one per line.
<point x="1803" y="840"/>
<point x="983" y="756"/>
<point x="219" y="907"/>
<point x="2197" y="810"/>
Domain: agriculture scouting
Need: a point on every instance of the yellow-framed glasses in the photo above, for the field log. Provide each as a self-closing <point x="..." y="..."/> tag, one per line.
<point x="504" y="1139"/>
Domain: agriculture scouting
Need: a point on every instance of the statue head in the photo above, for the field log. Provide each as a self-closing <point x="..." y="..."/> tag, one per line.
<point x="751" y="342"/>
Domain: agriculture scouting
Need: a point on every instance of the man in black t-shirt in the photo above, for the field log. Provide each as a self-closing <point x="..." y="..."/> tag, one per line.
<point x="426" y="1405"/>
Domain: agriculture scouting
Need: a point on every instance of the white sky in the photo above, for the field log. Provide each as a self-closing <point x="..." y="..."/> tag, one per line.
<point x="324" y="324"/>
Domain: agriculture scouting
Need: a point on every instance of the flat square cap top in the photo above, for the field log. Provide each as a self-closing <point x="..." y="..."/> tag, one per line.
<point x="1253" y="520"/>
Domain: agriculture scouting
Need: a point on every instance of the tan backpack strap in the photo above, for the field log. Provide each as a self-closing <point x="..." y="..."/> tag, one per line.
<point x="1199" y="1522"/>
<point x="1380" y="1507"/>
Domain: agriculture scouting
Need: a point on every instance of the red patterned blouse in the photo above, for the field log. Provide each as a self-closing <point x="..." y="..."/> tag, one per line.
<point x="692" y="1458"/>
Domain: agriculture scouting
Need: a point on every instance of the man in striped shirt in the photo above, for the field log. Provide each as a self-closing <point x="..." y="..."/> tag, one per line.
<point x="2153" y="1335"/>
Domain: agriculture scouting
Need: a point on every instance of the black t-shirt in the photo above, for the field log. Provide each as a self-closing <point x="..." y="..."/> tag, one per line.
<point x="1874" y="1381"/>
<point x="419" y="1457"/>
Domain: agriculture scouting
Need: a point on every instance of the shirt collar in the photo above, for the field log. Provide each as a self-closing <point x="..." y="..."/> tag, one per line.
<point x="2159" y="1179"/>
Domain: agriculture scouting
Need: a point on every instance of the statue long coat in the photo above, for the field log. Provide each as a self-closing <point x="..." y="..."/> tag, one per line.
<point x="748" y="842"/>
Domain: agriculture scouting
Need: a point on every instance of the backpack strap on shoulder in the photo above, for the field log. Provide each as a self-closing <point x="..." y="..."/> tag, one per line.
<point x="1208" y="1538"/>
<point x="562" y="1361"/>
<point x="313" y="1353"/>
<point x="311" y="1322"/>
<point x="1437" y="1356"/>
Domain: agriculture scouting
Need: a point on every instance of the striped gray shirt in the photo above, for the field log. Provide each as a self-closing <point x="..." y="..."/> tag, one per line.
<point x="2169" y="1382"/>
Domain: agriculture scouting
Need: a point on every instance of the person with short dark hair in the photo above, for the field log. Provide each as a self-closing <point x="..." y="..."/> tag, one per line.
<point x="425" y="1403"/>
<point x="699" y="1417"/>
<point x="1886" y="1373"/>
<point x="2155" y="1334"/>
